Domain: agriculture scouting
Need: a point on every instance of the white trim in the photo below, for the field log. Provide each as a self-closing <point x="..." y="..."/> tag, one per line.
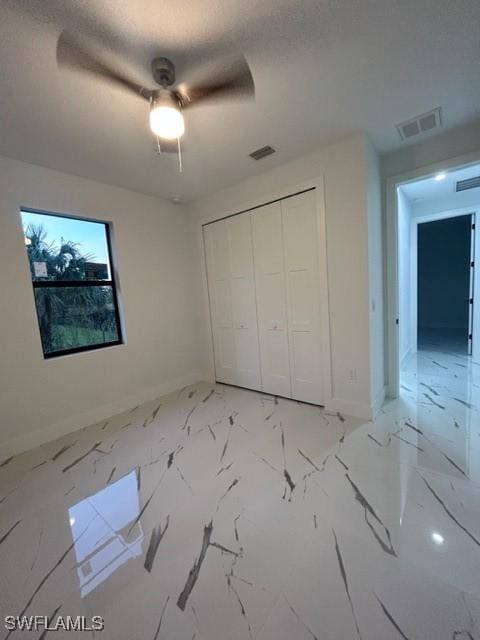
<point x="378" y="401"/>
<point x="209" y="298"/>
<point x="348" y="408"/>
<point x="324" y="300"/>
<point x="280" y="194"/>
<point x="411" y="349"/>
<point x="393" y="182"/>
<point x="79" y="421"/>
<point x="445" y="214"/>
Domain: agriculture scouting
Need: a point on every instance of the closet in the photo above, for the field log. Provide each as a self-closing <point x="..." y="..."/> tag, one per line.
<point x="264" y="295"/>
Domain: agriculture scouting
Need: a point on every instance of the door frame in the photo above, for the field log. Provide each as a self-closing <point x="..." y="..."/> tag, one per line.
<point x="316" y="184"/>
<point x="471" y="284"/>
<point x="391" y="255"/>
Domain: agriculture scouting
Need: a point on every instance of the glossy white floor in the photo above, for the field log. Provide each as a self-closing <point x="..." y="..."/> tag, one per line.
<point x="218" y="514"/>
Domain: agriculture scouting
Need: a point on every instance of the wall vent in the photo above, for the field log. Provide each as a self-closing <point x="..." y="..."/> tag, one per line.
<point x="263" y="152"/>
<point x="420" y="124"/>
<point x="468" y="183"/>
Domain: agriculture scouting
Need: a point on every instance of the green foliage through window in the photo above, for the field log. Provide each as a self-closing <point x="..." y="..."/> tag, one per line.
<point x="75" y="295"/>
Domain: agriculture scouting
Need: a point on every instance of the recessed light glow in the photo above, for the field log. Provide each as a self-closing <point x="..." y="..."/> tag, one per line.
<point x="437" y="538"/>
<point x="72" y="521"/>
<point x="440" y="176"/>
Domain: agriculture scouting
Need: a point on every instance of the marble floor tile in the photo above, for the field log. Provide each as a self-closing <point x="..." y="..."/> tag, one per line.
<point x="218" y="513"/>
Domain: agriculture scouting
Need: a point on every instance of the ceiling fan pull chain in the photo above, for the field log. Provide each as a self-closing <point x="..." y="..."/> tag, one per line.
<point x="159" y="149"/>
<point x="180" y="165"/>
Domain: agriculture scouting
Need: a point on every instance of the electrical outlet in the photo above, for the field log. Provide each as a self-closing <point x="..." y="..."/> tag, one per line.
<point x="352" y="375"/>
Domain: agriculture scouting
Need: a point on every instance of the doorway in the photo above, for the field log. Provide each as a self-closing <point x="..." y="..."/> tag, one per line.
<point x="444" y="284"/>
<point x="433" y="278"/>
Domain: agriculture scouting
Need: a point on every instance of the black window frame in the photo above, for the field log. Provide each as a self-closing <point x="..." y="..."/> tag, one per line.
<point x="45" y="284"/>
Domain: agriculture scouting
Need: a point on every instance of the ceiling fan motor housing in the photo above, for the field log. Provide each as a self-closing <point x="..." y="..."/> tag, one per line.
<point x="163" y="71"/>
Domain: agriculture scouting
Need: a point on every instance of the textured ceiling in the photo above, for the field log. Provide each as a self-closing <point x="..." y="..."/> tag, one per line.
<point x="322" y="69"/>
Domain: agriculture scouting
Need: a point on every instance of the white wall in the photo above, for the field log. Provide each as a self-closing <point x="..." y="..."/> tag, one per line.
<point x="345" y="169"/>
<point x="42" y="399"/>
<point x="407" y="277"/>
<point x="453" y="201"/>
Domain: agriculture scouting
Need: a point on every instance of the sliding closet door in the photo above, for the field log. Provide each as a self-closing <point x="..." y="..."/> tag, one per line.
<point x="231" y="287"/>
<point x="271" y="299"/>
<point x="218" y="267"/>
<point x="244" y="313"/>
<point x="300" y="236"/>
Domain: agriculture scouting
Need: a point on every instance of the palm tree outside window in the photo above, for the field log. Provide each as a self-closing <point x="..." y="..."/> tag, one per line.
<point x="70" y="262"/>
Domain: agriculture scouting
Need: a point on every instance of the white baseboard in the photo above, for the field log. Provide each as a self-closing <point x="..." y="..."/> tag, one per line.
<point x="36" y="438"/>
<point x="357" y="409"/>
<point x="378" y="401"/>
<point x="411" y="349"/>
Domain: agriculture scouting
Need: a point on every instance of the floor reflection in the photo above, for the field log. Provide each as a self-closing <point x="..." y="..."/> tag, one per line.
<point x="441" y="390"/>
<point x="106" y="531"/>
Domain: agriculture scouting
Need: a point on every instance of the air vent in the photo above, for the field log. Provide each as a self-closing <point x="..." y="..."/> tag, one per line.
<point x="420" y="124"/>
<point x="262" y="153"/>
<point x="469" y="183"/>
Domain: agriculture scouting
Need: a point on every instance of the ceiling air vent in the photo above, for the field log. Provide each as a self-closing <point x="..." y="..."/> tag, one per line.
<point x="420" y="124"/>
<point x="262" y="153"/>
<point x="468" y="183"/>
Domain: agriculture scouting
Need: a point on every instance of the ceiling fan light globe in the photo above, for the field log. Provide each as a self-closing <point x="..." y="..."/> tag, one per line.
<point x="167" y="122"/>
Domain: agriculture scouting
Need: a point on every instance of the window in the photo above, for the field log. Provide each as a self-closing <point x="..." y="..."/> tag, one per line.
<point x="71" y="267"/>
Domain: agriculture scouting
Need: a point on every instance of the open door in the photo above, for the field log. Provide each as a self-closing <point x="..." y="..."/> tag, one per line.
<point x="472" y="285"/>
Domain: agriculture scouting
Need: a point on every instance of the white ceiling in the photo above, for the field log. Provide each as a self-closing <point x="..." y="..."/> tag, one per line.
<point x="428" y="195"/>
<point x="322" y="69"/>
<point x="428" y="188"/>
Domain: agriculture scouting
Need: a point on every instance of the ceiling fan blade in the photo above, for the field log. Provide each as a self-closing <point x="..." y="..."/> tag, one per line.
<point x="73" y="54"/>
<point x="233" y="80"/>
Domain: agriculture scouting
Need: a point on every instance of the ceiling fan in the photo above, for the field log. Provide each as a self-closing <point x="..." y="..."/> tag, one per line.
<point x="169" y="99"/>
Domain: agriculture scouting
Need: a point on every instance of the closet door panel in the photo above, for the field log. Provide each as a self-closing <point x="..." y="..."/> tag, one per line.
<point x="219" y="253"/>
<point x="248" y="365"/>
<point x="225" y="355"/>
<point x="271" y="301"/>
<point x="275" y="361"/>
<point x="222" y="303"/>
<point x="301" y="265"/>
<point x="244" y="314"/>
<point x="240" y="244"/>
<point x="243" y="303"/>
<point x="218" y="274"/>
<point x="302" y="306"/>
<point x="303" y="363"/>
